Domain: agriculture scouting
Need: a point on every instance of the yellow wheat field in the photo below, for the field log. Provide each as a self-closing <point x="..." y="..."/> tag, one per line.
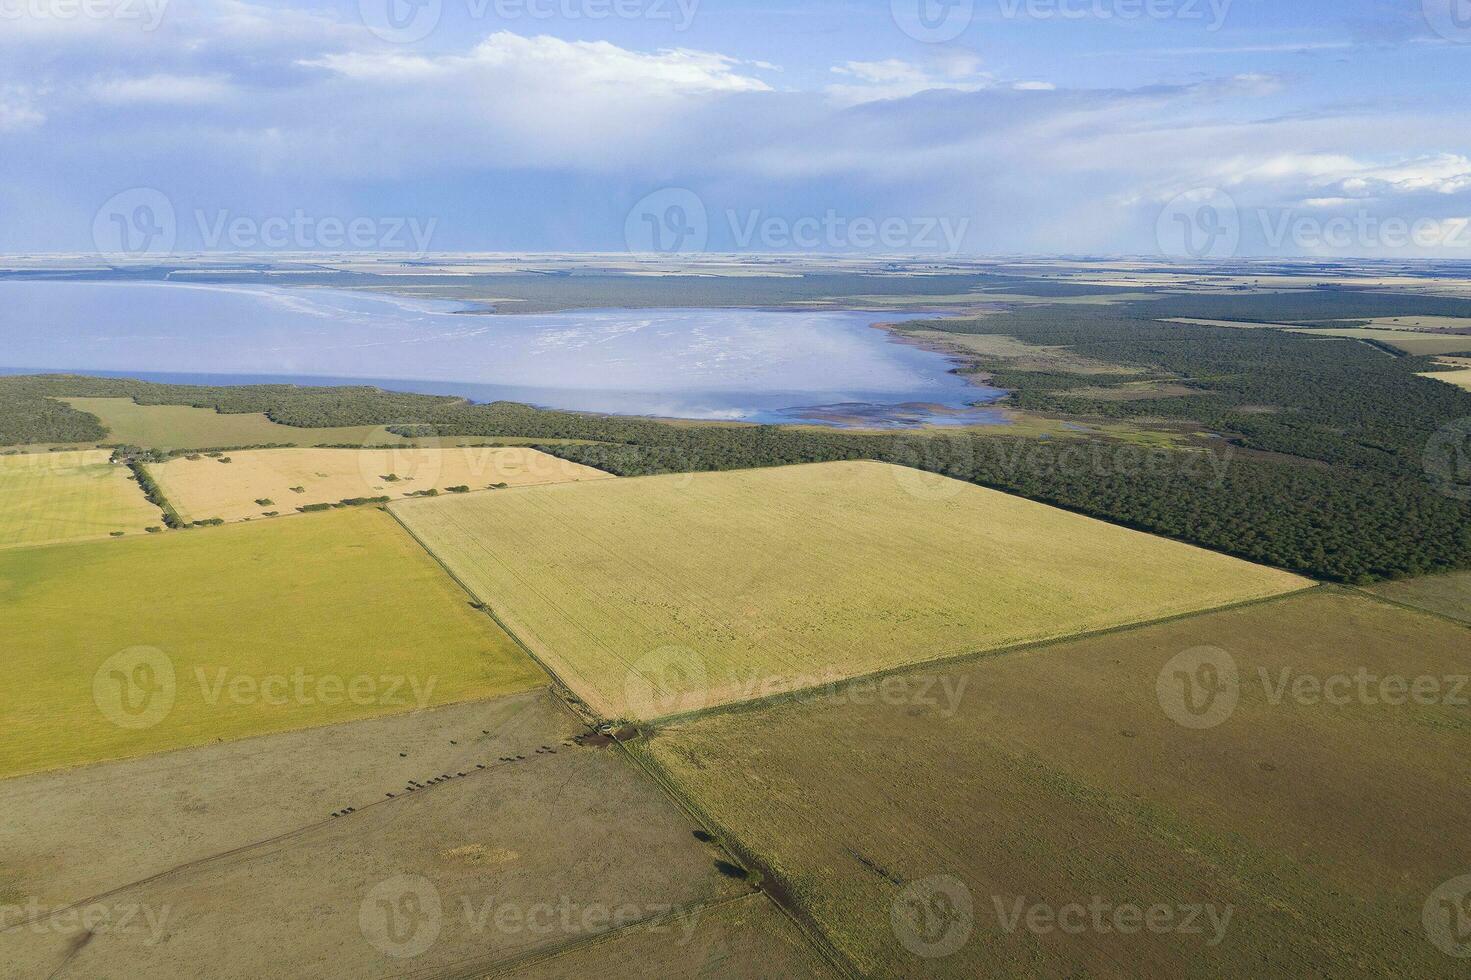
<point x="207" y="487"/>
<point x="662" y="595"/>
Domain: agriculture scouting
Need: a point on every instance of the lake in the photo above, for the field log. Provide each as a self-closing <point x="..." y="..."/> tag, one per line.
<point x="827" y="367"/>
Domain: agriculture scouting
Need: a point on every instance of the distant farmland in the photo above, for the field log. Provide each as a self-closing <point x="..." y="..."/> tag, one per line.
<point x="69" y="496"/>
<point x="1314" y="828"/>
<point x="232" y="486"/>
<point x="660" y="595"/>
<point x="117" y="649"/>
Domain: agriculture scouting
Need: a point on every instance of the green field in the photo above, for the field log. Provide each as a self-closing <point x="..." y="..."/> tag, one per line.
<point x="1056" y="776"/>
<point x="122" y="648"/>
<point x="186" y="427"/>
<point x="657" y="596"/>
<point x="68" y="496"/>
<point x="1448" y="594"/>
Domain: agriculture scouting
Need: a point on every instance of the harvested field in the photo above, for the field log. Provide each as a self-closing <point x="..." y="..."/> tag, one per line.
<point x="1448" y="594"/>
<point x="208" y="487"/>
<point x="455" y="878"/>
<point x="122" y="648"/>
<point x="747" y="938"/>
<point x="656" y="596"/>
<point x="215" y="798"/>
<point x="920" y="825"/>
<point x="1460" y="378"/>
<point x="69" y="496"/>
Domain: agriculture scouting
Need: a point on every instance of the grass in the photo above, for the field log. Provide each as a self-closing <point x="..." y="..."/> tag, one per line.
<point x="537" y="851"/>
<point x="68" y="496"/>
<point x="171" y="427"/>
<point x="1403" y="340"/>
<point x="236" y="614"/>
<point x="206" y="487"/>
<point x="1460" y="378"/>
<point x="186" y="427"/>
<point x="746" y="938"/>
<point x="661" y="595"/>
<point x="1054" y="775"/>
<point x="1448" y="594"/>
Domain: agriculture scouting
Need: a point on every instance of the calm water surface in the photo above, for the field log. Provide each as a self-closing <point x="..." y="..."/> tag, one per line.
<point x="755" y="365"/>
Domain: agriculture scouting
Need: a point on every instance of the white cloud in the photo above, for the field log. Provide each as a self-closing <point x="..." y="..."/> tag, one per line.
<point x="17" y="109"/>
<point x="873" y="81"/>
<point x="163" y="89"/>
<point x="549" y="62"/>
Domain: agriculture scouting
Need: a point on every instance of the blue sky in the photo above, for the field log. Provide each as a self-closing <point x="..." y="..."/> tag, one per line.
<point x="979" y="127"/>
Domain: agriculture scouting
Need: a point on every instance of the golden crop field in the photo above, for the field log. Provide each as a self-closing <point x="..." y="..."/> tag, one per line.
<point x="656" y="596"/>
<point x="1306" y="820"/>
<point x="117" y="649"/>
<point x="1409" y="341"/>
<point x="208" y="487"/>
<point x="69" y="496"/>
<point x="1460" y="378"/>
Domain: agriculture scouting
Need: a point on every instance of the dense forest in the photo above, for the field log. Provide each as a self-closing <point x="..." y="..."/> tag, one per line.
<point x="1320" y="466"/>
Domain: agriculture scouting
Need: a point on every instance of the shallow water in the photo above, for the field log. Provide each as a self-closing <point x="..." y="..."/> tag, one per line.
<point x="829" y="367"/>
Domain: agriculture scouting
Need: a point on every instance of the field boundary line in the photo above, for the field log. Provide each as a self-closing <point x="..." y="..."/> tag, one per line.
<point x="1409" y="607"/>
<point x="833" y="687"/>
<point x="559" y="684"/>
<point x="468" y="970"/>
<point x="739" y="850"/>
<point x="242" y="848"/>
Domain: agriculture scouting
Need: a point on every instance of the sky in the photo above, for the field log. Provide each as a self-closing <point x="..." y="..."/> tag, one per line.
<point x="1174" y="128"/>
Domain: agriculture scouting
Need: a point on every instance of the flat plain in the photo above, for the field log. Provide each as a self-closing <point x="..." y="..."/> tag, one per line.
<point x="1303" y="832"/>
<point x="231" y="486"/>
<point x="551" y="843"/>
<point x="1448" y="594"/>
<point x="69" y="496"/>
<point x="186" y="427"/>
<point x="657" y="596"/>
<point x="121" y="648"/>
<point x="746" y="938"/>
